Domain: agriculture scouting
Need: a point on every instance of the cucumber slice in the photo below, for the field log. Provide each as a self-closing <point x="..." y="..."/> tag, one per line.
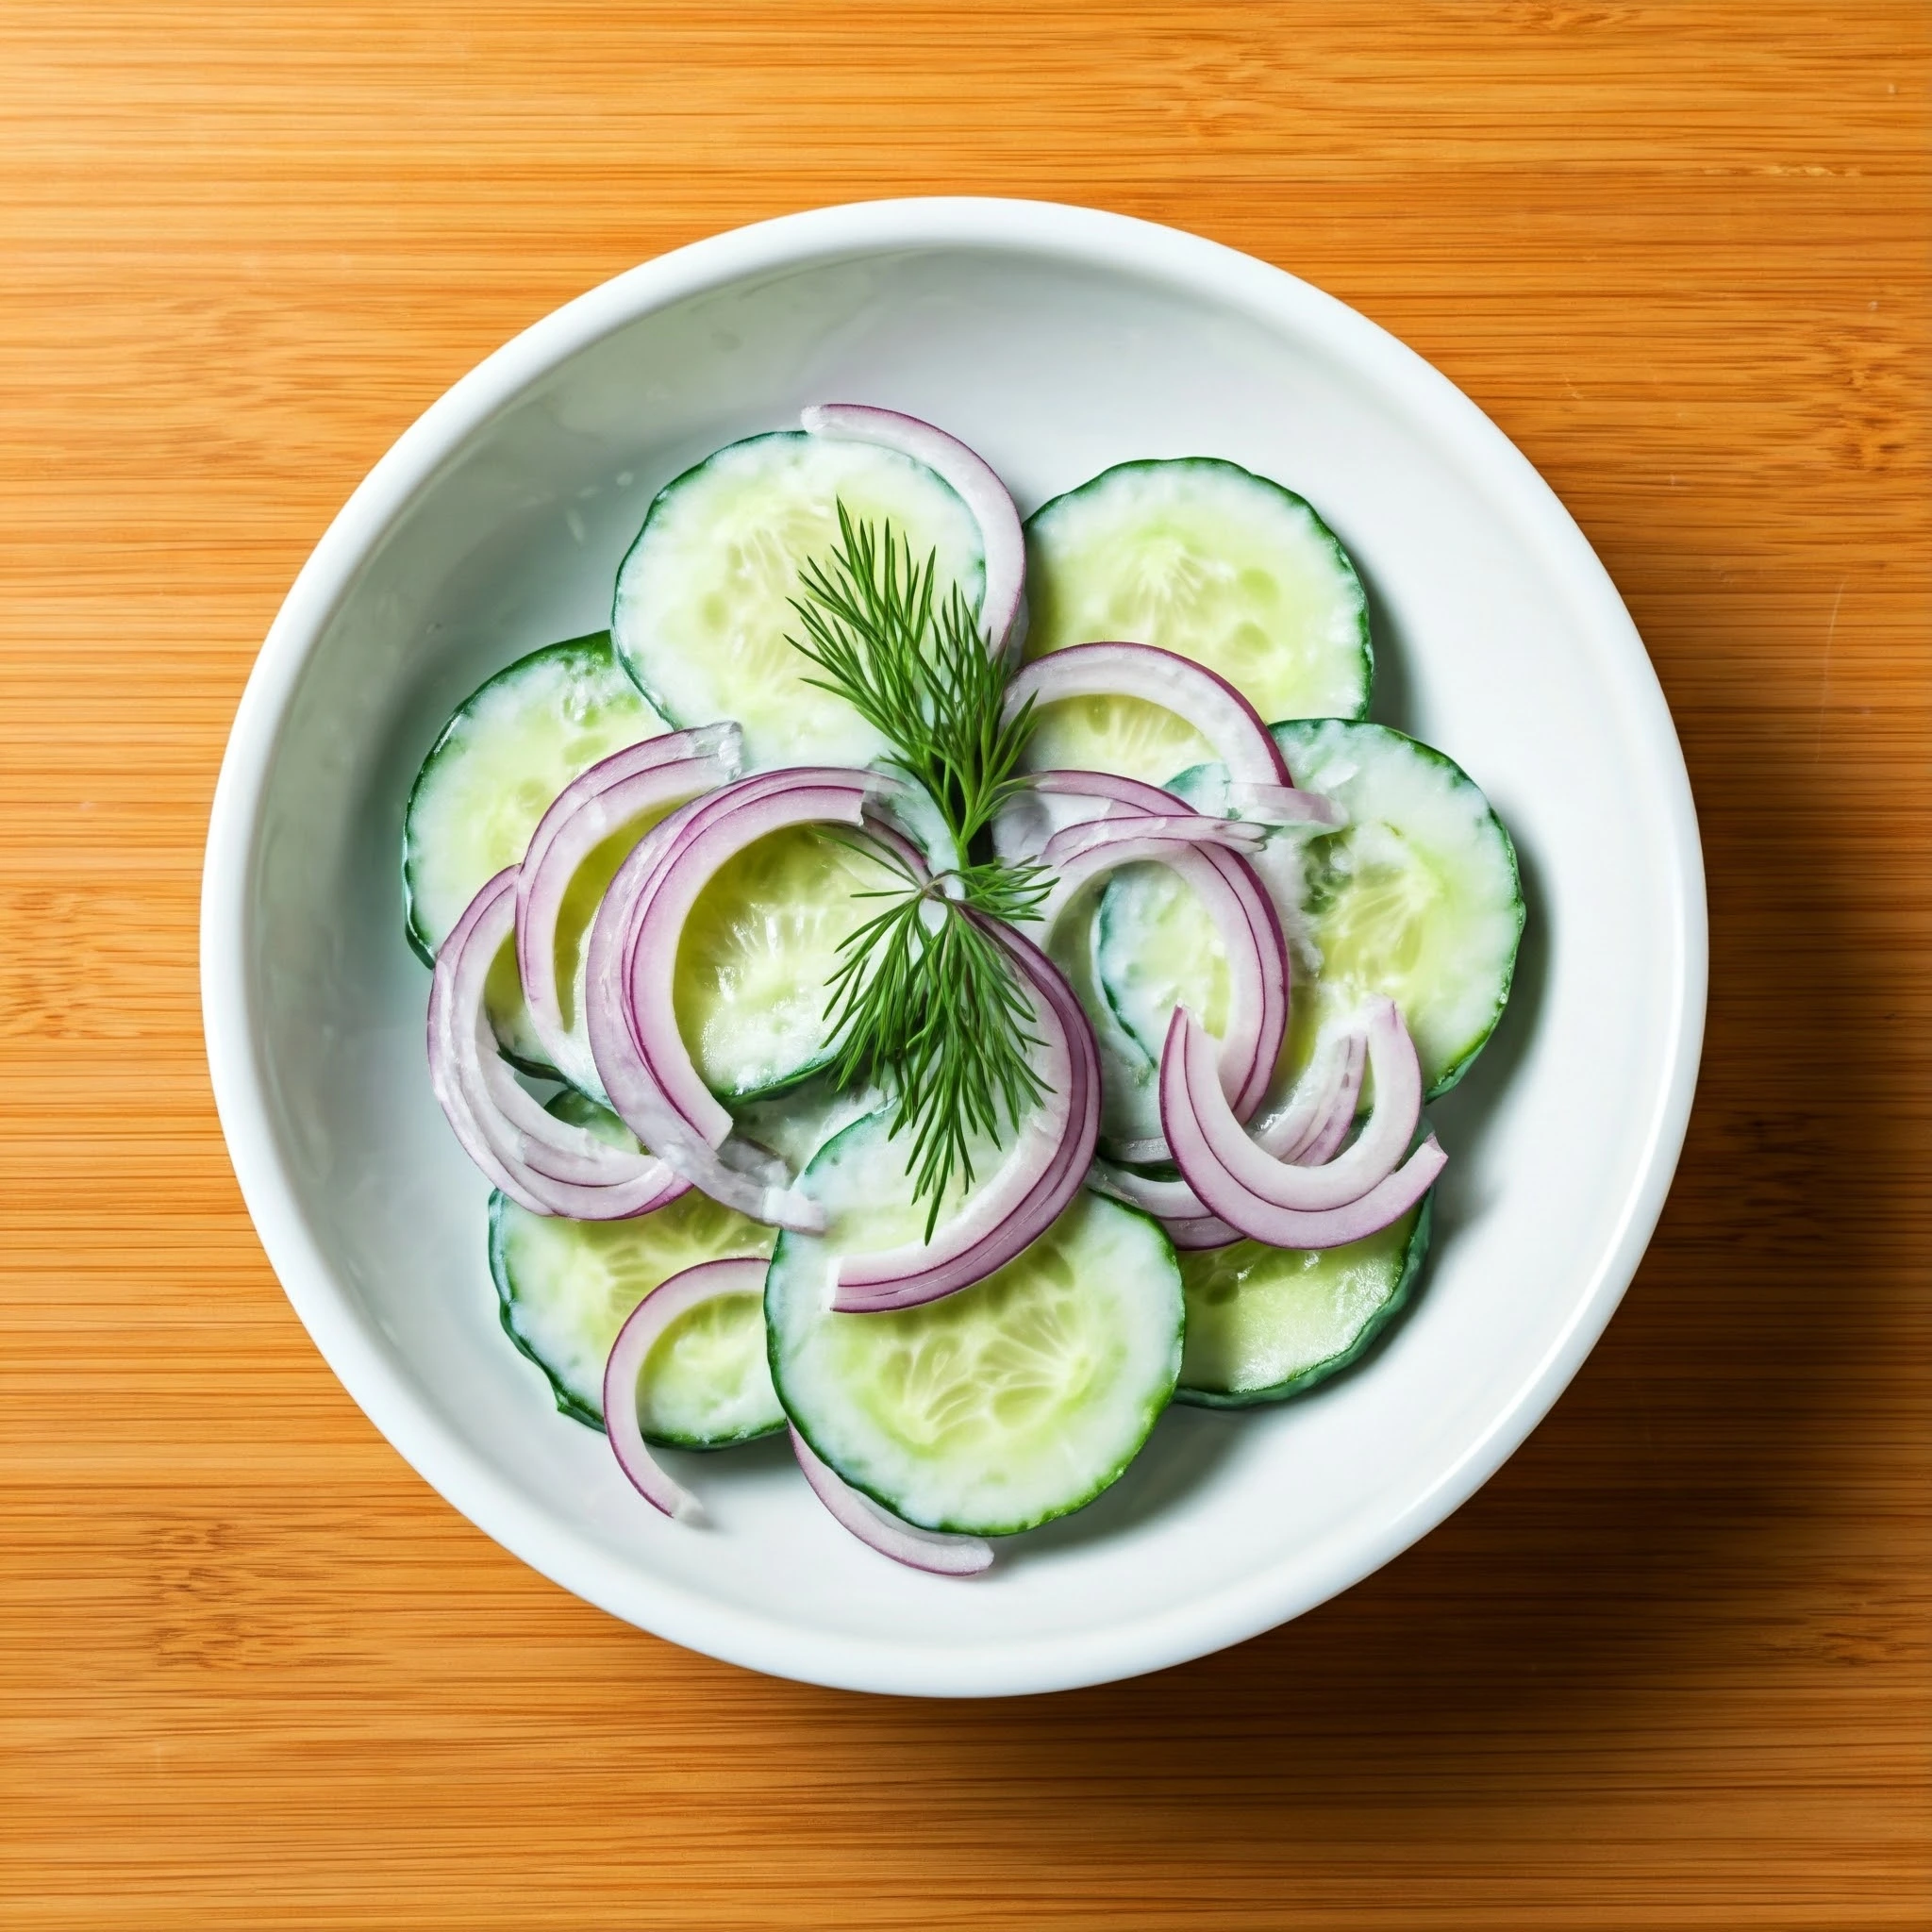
<point x="575" y="916"/>
<point x="757" y="952"/>
<point x="564" y="1289"/>
<point x="796" y="1122"/>
<point x="1155" y="949"/>
<point x="1004" y="1406"/>
<point x="1105" y="733"/>
<point x="508" y="750"/>
<point x="505" y="753"/>
<point x="1129" y="1076"/>
<point x="1417" y="897"/>
<point x="704" y="614"/>
<point x="1206" y="560"/>
<point x="1268" y="1322"/>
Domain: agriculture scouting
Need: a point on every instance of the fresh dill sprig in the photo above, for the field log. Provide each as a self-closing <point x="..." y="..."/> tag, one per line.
<point x="926" y="993"/>
<point x="916" y="667"/>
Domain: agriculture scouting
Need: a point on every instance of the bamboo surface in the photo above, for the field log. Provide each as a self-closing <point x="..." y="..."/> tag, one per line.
<point x="1669" y="1669"/>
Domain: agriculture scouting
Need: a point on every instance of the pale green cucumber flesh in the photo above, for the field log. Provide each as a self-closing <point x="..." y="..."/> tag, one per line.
<point x="1130" y="1082"/>
<point x="565" y="1288"/>
<point x="575" y="915"/>
<point x="1265" y="1323"/>
<point x="1123" y="735"/>
<point x="505" y="754"/>
<point x="1206" y="560"/>
<point x="1418" y="897"/>
<point x="509" y="1018"/>
<point x="757" y="951"/>
<point x="704" y="608"/>
<point x="1001" y="1407"/>
<point x="795" y="1122"/>
<point x="1156" y="949"/>
<point x="499" y="762"/>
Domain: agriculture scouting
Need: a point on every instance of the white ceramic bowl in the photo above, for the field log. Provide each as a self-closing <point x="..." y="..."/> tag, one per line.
<point x="1057" y="340"/>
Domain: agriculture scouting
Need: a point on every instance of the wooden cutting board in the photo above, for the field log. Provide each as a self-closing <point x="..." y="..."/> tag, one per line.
<point x="1670" y="1669"/>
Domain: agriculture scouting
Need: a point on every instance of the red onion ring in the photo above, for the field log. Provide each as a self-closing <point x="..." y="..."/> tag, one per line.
<point x="1049" y="802"/>
<point x="631" y="1015"/>
<point x="622" y="1069"/>
<point x="1210" y="1231"/>
<point x="1243" y="915"/>
<point x="1002" y="605"/>
<point x="541" y="1162"/>
<point x="1133" y="794"/>
<point x="641" y="1333"/>
<point x="666" y="771"/>
<point x="1190" y="827"/>
<point x="1307" y="1131"/>
<point x="1325" y="1134"/>
<point x="1059" y="812"/>
<point x="1040" y="1175"/>
<point x="1118" y="810"/>
<point x="671" y="834"/>
<point x="1167" y="1201"/>
<point x="648" y="859"/>
<point x="1200" y="1131"/>
<point x="1199" y="696"/>
<point x="918" y="1549"/>
<point x="1284" y="805"/>
<point x="1380" y="1146"/>
<point x="1211" y="789"/>
<point x="667" y="902"/>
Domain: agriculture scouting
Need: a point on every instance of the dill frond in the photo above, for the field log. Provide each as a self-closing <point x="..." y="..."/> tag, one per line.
<point x="926" y="993"/>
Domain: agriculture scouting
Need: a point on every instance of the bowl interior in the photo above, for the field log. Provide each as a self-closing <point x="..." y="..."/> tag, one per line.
<point x="1497" y="639"/>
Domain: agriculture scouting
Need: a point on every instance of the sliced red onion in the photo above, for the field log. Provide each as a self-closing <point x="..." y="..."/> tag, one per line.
<point x="698" y="855"/>
<point x="1243" y="916"/>
<point x="1200" y="697"/>
<point x="1330" y="1082"/>
<point x="669" y="836"/>
<point x="1210" y="789"/>
<point x="1171" y="1201"/>
<point x="1318" y="1145"/>
<point x="1349" y="1175"/>
<point x="529" y="1135"/>
<point x="889" y="1534"/>
<point x="883" y="788"/>
<point x="650" y="776"/>
<point x="1202" y="1132"/>
<point x="641" y="1333"/>
<point x="622" y="1071"/>
<point x="1283" y="805"/>
<point x="1210" y="1231"/>
<point x="1110" y="787"/>
<point x="1187" y="827"/>
<point x="1056" y="805"/>
<point x="1049" y="802"/>
<point x="1002" y="607"/>
<point x="542" y="1163"/>
<point x="1173" y="1204"/>
<point x="630" y="893"/>
<point x="1307" y="1131"/>
<point x="1055" y="801"/>
<point x="631" y="1015"/>
<point x="1041" y="1172"/>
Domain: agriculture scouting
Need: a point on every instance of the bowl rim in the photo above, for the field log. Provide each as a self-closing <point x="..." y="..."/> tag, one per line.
<point x="355" y="1352"/>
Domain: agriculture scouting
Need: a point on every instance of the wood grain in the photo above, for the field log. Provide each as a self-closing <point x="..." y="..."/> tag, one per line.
<point x="1670" y="1669"/>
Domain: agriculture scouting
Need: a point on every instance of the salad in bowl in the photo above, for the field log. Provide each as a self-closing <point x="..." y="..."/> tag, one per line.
<point x="942" y="989"/>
